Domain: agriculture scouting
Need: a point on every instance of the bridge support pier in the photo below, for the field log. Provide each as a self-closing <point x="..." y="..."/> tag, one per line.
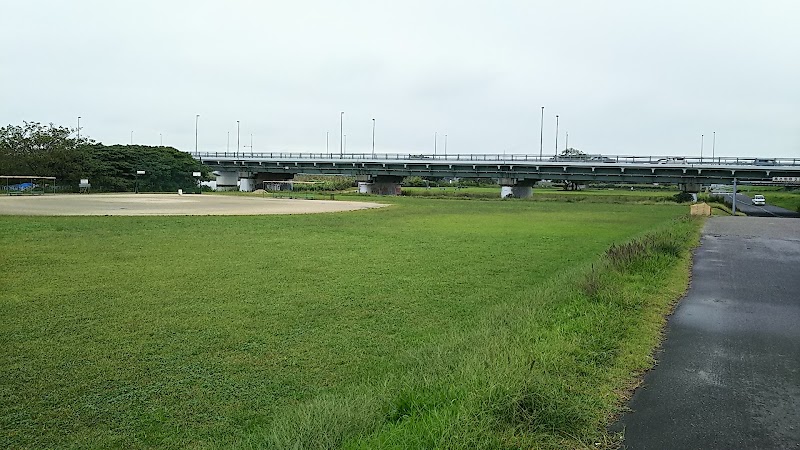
<point x="227" y="181"/>
<point x="516" y="187"/>
<point x="692" y="188"/>
<point x="247" y="184"/>
<point x="261" y="177"/>
<point x="380" y="185"/>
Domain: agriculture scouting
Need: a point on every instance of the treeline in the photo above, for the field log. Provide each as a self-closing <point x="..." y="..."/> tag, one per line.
<point x="34" y="149"/>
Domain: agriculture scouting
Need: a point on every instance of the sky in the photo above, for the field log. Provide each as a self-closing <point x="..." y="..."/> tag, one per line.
<point x="625" y="77"/>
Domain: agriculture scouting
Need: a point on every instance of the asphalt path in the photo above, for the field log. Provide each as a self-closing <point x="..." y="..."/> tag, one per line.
<point x="728" y="374"/>
<point x="745" y="205"/>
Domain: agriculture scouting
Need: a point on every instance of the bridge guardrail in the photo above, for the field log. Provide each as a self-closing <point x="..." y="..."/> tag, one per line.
<point x="497" y="157"/>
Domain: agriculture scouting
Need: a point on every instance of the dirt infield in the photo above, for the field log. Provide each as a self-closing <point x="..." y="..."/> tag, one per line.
<point x="168" y="205"/>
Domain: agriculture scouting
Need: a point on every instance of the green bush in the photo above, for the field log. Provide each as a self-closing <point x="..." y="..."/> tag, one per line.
<point x="683" y="197"/>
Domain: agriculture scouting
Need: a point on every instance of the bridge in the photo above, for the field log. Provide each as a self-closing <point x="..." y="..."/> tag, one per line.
<point x="383" y="173"/>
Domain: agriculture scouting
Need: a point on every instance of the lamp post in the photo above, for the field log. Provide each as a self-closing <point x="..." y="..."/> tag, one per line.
<point x="345" y="142"/>
<point x="131" y="137"/>
<point x="79" y="128"/>
<point x="445" y="146"/>
<point x="541" y="135"/>
<point x="228" y="145"/>
<point x="160" y="140"/>
<point x="701" y="147"/>
<point x="341" y="134"/>
<point x="196" y="120"/>
<point x="251" y="144"/>
<point x="566" y="143"/>
<point x="435" y="138"/>
<point x="326" y="141"/>
<point x="237" y="139"/>
<point x="556" y="135"/>
<point x="373" y="138"/>
<point x="713" y="145"/>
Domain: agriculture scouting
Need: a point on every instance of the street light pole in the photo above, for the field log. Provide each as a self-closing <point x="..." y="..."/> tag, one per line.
<point x="556" y="135"/>
<point x="713" y="145"/>
<point x="373" y="138"/>
<point x="345" y="142"/>
<point x="701" y="147"/>
<point x="435" y="138"/>
<point x="79" y="128"/>
<point x="131" y="137"/>
<point x="228" y="145"/>
<point x="237" y="138"/>
<point x="341" y="134"/>
<point x="445" y="146"/>
<point x="160" y="140"/>
<point x="566" y="143"/>
<point x="196" y="120"/>
<point x="326" y="141"/>
<point x="541" y="135"/>
<point x="251" y="144"/>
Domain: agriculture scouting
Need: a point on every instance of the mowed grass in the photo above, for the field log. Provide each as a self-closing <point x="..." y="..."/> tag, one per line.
<point x="431" y="323"/>
<point x="550" y="194"/>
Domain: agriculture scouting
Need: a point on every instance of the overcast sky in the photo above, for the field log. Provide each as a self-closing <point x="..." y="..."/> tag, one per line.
<point x="635" y="77"/>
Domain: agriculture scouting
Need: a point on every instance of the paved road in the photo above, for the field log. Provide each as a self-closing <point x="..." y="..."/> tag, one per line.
<point x="745" y="205"/>
<point x="728" y="375"/>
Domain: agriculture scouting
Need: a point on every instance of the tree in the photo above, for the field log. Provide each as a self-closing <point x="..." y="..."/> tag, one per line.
<point x="572" y="152"/>
<point x="43" y="150"/>
<point x="48" y="150"/>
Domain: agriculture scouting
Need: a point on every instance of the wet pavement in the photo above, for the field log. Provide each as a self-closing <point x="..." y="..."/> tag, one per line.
<point x="728" y="375"/>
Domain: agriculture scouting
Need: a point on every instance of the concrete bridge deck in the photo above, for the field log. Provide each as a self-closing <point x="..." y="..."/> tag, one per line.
<point x="519" y="171"/>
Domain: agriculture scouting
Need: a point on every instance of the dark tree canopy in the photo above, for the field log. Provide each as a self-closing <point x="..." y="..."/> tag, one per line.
<point x="571" y="152"/>
<point x="42" y="150"/>
<point x="48" y="150"/>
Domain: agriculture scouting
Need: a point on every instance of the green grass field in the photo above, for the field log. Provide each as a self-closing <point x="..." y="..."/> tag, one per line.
<point x="550" y="194"/>
<point x="431" y="323"/>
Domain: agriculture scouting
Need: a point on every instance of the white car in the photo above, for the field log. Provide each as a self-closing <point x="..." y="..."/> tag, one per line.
<point x="759" y="200"/>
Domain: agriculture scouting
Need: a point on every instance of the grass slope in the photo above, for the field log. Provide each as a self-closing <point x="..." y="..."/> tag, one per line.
<point x="429" y="323"/>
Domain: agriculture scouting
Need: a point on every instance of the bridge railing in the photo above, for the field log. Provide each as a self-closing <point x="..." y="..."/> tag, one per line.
<point x="499" y="157"/>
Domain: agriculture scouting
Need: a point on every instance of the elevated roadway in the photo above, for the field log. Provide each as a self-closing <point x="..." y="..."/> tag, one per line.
<point x="383" y="172"/>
